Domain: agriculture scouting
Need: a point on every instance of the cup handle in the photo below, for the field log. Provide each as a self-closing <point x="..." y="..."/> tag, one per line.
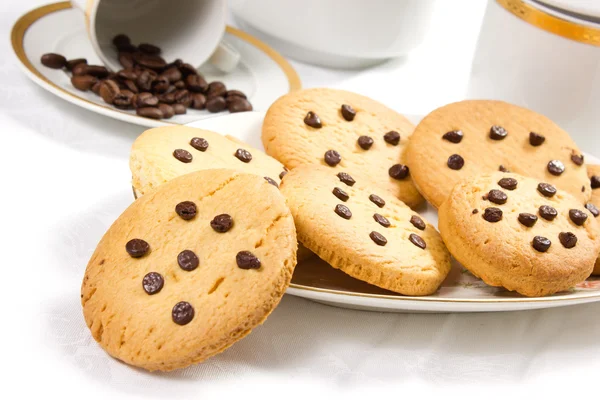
<point x="81" y="5"/>
<point x="225" y="57"/>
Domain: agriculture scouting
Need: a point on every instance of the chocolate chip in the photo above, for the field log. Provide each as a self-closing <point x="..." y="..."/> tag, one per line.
<point x="53" y="60"/>
<point x="365" y="142"/>
<point x="312" y="120"/>
<point x="417" y="241"/>
<point x="492" y="214"/>
<point x="186" y="210"/>
<point x="527" y="219"/>
<point x="183" y="155"/>
<point x="381" y="220"/>
<point x="593" y="209"/>
<point x="508" y="183"/>
<point x="398" y="171"/>
<point x="578" y="217"/>
<point x="282" y="174"/>
<point x="153" y="282"/>
<point x="137" y="248"/>
<point x="247" y="260"/>
<point x="216" y="104"/>
<point x="188" y="260"/>
<point x="502" y="168"/>
<point x="541" y="244"/>
<point x="200" y="144"/>
<point x="378" y="201"/>
<point x="346" y="178"/>
<point x="392" y="137"/>
<point x="378" y="238"/>
<point x="595" y="181"/>
<point x="497" y="132"/>
<point x="455" y="162"/>
<point x="556" y="167"/>
<point x="348" y="112"/>
<point x="243" y="155"/>
<point x="453" y="136"/>
<point x="535" y="139"/>
<point x="547" y="212"/>
<point x="237" y="104"/>
<point x="417" y="222"/>
<point x="332" y="158"/>
<point x="497" y="196"/>
<point x="546" y="189"/>
<point x="222" y="223"/>
<point x="475" y="211"/>
<point x="182" y="313"/>
<point x="577" y="159"/>
<point x="567" y="239"/>
<point x="340" y="194"/>
<point x="343" y="211"/>
<point x="271" y="181"/>
<point x="582" y="188"/>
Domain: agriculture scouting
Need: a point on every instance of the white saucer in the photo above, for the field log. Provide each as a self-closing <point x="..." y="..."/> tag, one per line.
<point x="262" y="74"/>
<point x="460" y="292"/>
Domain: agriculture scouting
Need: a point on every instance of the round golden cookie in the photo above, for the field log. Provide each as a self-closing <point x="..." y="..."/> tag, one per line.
<point x="365" y="231"/>
<point x="519" y="233"/>
<point x="594" y="175"/>
<point x="175" y="281"/>
<point x="343" y="131"/>
<point x="161" y="154"/>
<point x="474" y="137"/>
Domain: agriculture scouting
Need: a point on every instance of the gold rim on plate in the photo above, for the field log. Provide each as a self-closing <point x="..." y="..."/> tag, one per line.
<point x="20" y="27"/>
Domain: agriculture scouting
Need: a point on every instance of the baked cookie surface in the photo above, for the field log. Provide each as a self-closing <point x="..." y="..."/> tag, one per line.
<point x="594" y="175"/>
<point x="161" y="154"/>
<point x="343" y="131"/>
<point x="364" y="231"/>
<point x="189" y="269"/>
<point x="519" y="233"/>
<point x="474" y="137"/>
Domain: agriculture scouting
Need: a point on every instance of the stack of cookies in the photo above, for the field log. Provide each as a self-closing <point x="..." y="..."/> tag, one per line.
<point x="209" y="247"/>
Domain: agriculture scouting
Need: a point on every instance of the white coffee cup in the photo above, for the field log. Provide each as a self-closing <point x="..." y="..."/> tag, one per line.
<point x="191" y="30"/>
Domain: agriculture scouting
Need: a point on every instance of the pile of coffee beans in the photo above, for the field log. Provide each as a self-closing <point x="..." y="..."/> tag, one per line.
<point x="147" y="83"/>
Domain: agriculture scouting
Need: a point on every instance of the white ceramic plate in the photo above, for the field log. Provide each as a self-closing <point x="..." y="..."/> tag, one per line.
<point x="460" y="292"/>
<point x="262" y="74"/>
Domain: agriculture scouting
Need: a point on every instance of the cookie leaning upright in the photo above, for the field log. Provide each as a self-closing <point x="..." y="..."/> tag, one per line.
<point x="519" y="233"/>
<point x="474" y="137"/>
<point x="341" y="130"/>
<point x="594" y="203"/>
<point x="189" y="269"/>
<point x="365" y="231"/>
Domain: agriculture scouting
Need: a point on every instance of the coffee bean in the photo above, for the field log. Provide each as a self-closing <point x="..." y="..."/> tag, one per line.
<point x="548" y="212"/>
<point x="216" y="104"/>
<point x="238" y="104"/>
<point x="343" y="211"/>
<point x="398" y="171"/>
<point x="83" y="82"/>
<point x="578" y="217"/>
<point x="536" y="139"/>
<point x="166" y="110"/>
<point x="126" y="60"/>
<point x="182" y="313"/>
<point x="541" y="244"/>
<point x="455" y="162"/>
<point x="183" y="97"/>
<point x="137" y="248"/>
<point x="234" y="93"/>
<point x="332" y="158"/>
<point x="198" y="101"/>
<point x="381" y="220"/>
<point x="348" y="112"/>
<point x="187" y="69"/>
<point x="179" y="84"/>
<point x="378" y="238"/>
<point x="79" y="69"/>
<point x="149" y="112"/>
<point x="127" y="74"/>
<point x="130" y="85"/>
<point x="453" y="136"/>
<point x="243" y="155"/>
<point x="188" y="260"/>
<point x="282" y="174"/>
<point x="186" y="210"/>
<point x="508" y="183"/>
<point x="108" y="90"/>
<point x="167" y="98"/>
<point x="222" y="223"/>
<point x="247" y="260"/>
<point x="378" y="201"/>
<point x="417" y="241"/>
<point x="153" y="282"/>
<point x="196" y="83"/>
<point x="546" y="189"/>
<point x="567" y="239"/>
<point x="160" y="84"/>
<point x="53" y="60"/>
<point x="577" y="159"/>
<point x="312" y="120"/>
<point x="593" y="209"/>
<point x="527" y="219"/>
<point x="70" y="64"/>
<point x="96" y="88"/>
<point x="149" y="48"/>
<point x="271" y="181"/>
<point x="556" y="167"/>
<point x="417" y="222"/>
<point x="492" y="214"/>
<point x="502" y="168"/>
<point x="183" y="155"/>
<point x="365" y="142"/>
<point x="123" y="99"/>
<point x="146" y="99"/>
<point x="340" y="194"/>
<point x="346" y="178"/>
<point x="144" y="81"/>
<point x="392" y="137"/>
<point x="151" y="61"/>
<point x="497" y="196"/>
<point x="595" y="181"/>
<point x="216" y="88"/>
<point x="497" y="132"/>
<point x="200" y="144"/>
<point x="121" y="40"/>
<point x="179" y="108"/>
<point x="95" y="70"/>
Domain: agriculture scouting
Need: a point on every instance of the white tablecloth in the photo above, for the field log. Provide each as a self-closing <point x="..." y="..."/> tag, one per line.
<point x="65" y="178"/>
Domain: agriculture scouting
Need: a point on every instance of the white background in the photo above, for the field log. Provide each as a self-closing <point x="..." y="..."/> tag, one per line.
<point x="65" y="178"/>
